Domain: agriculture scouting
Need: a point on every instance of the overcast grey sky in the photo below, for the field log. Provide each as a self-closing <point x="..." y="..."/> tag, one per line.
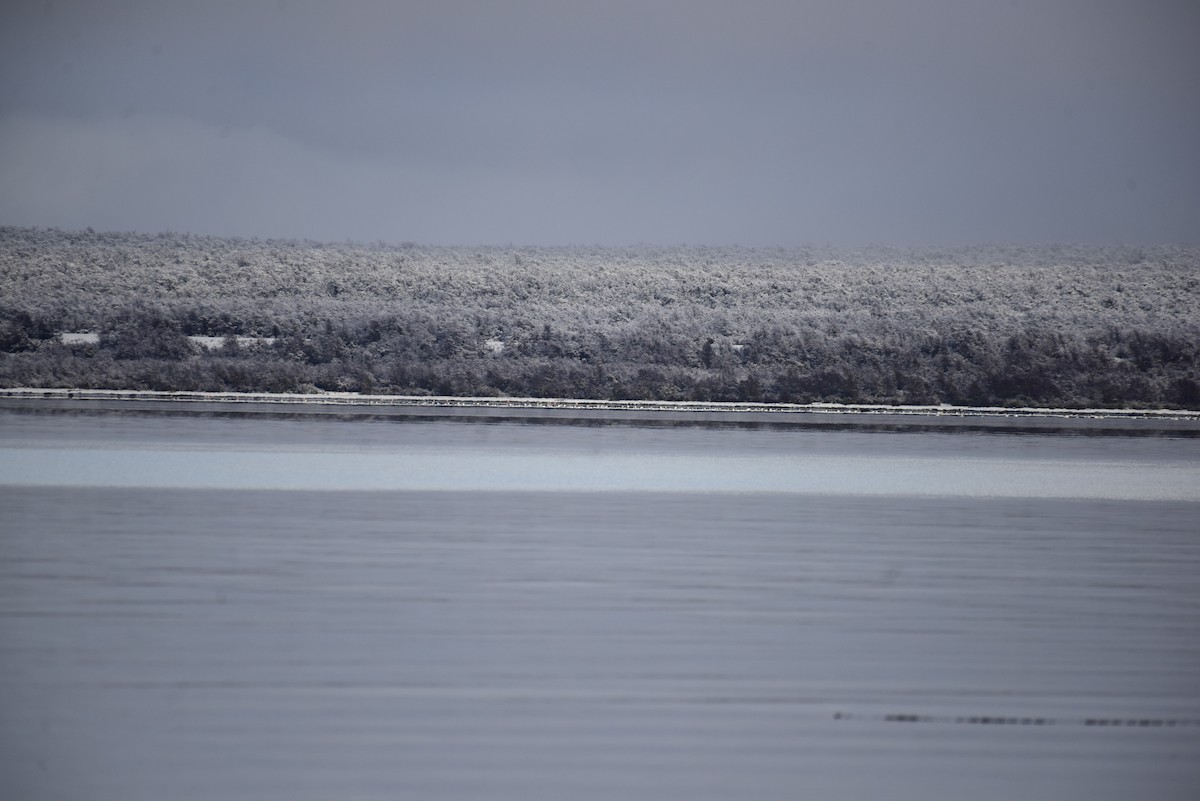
<point x="540" y="122"/>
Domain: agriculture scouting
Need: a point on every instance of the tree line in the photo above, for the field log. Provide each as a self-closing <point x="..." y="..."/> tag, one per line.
<point x="1062" y="326"/>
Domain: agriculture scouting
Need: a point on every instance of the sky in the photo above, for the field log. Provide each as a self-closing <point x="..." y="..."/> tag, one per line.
<point x="541" y="122"/>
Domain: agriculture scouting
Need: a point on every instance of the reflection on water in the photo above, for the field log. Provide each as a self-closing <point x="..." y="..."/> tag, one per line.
<point x="531" y="470"/>
<point x="307" y="454"/>
<point x="200" y="643"/>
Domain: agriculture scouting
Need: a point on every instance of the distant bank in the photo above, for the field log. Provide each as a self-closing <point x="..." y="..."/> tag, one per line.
<point x="351" y="403"/>
<point x="1070" y="327"/>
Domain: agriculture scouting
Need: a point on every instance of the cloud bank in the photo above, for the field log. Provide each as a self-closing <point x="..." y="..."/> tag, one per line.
<point x="658" y="121"/>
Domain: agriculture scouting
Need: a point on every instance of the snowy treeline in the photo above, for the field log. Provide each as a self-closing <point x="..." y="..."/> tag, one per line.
<point x="1052" y="325"/>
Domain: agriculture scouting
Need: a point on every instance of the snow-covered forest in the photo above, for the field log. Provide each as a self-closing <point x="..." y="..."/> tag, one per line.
<point x="989" y="325"/>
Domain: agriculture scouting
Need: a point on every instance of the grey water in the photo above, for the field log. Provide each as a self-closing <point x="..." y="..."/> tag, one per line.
<point x="257" y="607"/>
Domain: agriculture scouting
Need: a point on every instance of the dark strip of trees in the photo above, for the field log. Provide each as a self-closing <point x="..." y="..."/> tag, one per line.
<point x="1075" y="327"/>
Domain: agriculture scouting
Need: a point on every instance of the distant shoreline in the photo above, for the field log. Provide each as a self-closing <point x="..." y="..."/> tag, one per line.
<point x="877" y="330"/>
<point x="349" y="403"/>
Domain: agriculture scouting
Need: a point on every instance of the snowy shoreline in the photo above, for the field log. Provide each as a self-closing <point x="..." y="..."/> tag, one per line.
<point x="374" y="402"/>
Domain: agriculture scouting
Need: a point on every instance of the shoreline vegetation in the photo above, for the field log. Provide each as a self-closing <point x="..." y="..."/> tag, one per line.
<point x="1074" y="328"/>
<point x="352" y="403"/>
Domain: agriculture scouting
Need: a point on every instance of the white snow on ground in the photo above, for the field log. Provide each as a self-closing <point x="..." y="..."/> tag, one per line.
<point x="208" y="343"/>
<point x="79" y="338"/>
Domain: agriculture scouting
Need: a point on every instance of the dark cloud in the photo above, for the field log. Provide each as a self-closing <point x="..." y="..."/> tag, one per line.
<point x="661" y="120"/>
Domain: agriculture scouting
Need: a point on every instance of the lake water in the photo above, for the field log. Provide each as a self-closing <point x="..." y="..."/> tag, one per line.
<point x="274" y="607"/>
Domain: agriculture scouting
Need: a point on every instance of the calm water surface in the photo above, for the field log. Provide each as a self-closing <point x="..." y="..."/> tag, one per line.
<point x="200" y="607"/>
